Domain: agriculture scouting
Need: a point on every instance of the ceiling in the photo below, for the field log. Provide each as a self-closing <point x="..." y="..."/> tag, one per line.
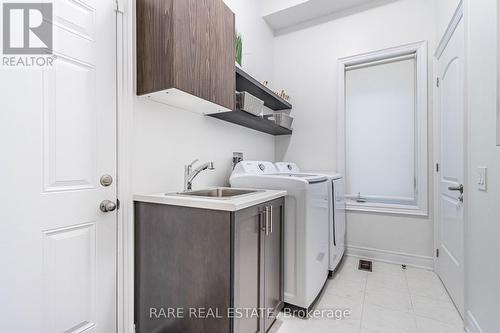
<point x="310" y="12"/>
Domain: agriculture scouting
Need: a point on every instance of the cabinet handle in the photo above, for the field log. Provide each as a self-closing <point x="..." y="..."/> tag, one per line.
<point x="263" y="223"/>
<point x="267" y="220"/>
<point x="271" y="218"/>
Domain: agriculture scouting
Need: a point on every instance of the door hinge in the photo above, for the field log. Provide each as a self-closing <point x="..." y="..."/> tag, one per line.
<point x="119" y="7"/>
<point x="437" y="253"/>
<point x="437" y="167"/>
<point x="117" y="203"/>
<point x="437" y="82"/>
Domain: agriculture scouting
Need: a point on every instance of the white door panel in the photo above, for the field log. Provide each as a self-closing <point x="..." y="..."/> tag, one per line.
<point x="58" y="129"/>
<point x="69" y="126"/>
<point x="450" y="264"/>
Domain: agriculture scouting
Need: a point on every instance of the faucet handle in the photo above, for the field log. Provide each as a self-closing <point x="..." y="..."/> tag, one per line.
<point x="191" y="164"/>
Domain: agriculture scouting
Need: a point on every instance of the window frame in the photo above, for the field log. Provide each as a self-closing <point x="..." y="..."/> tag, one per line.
<point x="421" y="127"/>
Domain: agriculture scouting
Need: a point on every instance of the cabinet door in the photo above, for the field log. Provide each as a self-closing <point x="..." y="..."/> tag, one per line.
<point x="174" y="269"/>
<point x="248" y="267"/>
<point x="222" y="55"/>
<point x="191" y="48"/>
<point x="187" y="45"/>
<point x="274" y="263"/>
<point x="204" y="50"/>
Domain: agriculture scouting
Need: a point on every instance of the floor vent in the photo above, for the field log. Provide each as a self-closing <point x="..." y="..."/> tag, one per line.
<point x="365" y="265"/>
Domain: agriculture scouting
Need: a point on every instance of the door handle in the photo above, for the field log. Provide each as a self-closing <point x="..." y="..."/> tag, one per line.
<point x="107" y="206"/>
<point x="459" y="188"/>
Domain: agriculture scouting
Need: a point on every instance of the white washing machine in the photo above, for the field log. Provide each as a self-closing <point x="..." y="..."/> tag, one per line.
<point x="337" y="210"/>
<point x="306" y="226"/>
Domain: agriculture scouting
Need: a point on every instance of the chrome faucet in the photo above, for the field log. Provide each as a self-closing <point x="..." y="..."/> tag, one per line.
<point x="190" y="174"/>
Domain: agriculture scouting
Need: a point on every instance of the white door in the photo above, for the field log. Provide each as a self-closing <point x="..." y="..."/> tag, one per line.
<point x="57" y="133"/>
<point x="450" y="263"/>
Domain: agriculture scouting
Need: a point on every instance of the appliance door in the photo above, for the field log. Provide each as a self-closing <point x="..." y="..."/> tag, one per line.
<point x="315" y="231"/>
<point x="339" y="220"/>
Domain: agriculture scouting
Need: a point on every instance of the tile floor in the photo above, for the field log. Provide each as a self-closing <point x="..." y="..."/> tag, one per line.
<point x="387" y="300"/>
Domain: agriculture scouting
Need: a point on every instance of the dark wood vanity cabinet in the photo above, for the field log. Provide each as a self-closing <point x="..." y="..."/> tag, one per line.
<point x="211" y="270"/>
<point x="187" y="45"/>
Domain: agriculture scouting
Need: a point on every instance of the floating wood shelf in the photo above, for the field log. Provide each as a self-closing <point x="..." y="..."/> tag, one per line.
<point x="244" y="82"/>
<point x="246" y="119"/>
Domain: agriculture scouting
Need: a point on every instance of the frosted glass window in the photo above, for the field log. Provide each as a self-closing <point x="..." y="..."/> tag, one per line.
<point x="381" y="131"/>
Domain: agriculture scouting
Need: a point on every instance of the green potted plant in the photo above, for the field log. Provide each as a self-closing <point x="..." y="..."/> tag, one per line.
<point x="238" y="44"/>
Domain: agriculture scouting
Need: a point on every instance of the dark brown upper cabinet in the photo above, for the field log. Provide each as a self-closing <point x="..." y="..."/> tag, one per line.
<point x="186" y="54"/>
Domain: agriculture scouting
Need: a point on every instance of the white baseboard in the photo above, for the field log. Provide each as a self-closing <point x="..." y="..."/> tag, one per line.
<point x="471" y="324"/>
<point x="391" y="257"/>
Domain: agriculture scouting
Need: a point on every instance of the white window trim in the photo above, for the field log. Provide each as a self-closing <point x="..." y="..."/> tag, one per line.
<point x="420" y="49"/>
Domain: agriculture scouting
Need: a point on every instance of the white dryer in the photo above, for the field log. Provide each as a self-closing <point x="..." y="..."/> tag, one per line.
<point x="306" y="227"/>
<point x="337" y="210"/>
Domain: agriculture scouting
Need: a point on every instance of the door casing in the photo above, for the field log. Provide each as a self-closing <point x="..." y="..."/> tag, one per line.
<point x="459" y="16"/>
<point x="125" y="91"/>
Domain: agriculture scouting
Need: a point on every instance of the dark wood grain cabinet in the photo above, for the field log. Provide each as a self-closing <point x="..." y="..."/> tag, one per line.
<point x="224" y="265"/>
<point x="186" y="48"/>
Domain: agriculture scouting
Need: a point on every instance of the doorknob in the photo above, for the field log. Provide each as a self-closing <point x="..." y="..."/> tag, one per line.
<point x="107" y="206"/>
<point x="459" y="188"/>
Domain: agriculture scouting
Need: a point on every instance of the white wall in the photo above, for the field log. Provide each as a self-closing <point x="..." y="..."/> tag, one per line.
<point x="306" y="66"/>
<point x="482" y="245"/>
<point x="257" y="37"/>
<point x="165" y="138"/>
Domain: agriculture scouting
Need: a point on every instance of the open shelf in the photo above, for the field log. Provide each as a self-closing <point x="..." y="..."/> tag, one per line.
<point x="246" y="119"/>
<point x="245" y="82"/>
